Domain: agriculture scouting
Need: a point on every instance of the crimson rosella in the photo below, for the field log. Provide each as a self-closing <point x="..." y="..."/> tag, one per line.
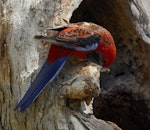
<point x="77" y="39"/>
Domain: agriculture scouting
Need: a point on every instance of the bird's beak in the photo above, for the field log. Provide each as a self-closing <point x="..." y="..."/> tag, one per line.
<point x="100" y="61"/>
<point x="96" y="60"/>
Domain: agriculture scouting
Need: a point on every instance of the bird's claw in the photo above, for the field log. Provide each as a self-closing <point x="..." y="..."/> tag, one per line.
<point x="104" y="69"/>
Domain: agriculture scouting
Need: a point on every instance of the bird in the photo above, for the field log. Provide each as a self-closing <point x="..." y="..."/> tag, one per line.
<point x="78" y="39"/>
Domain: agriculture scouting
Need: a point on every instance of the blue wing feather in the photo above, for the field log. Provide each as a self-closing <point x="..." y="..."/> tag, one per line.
<point x="83" y="49"/>
<point x="47" y="73"/>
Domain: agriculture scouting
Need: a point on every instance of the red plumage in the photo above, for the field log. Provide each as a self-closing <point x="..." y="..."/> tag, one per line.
<point x="72" y="38"/>
<point x="77" y="39"/>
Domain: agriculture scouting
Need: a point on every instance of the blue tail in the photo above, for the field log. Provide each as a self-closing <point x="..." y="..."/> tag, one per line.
<point x="47" y="73"/>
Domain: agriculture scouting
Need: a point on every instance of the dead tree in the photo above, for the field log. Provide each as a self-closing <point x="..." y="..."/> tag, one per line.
<point x="59" y="107"/>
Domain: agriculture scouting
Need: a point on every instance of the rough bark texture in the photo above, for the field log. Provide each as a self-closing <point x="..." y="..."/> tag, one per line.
<point x="20" y="58"/>
<point x="125" y="93"/>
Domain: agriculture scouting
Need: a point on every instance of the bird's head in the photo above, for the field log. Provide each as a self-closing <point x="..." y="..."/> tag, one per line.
<point x="106" y="49"/>
<point x="107" y="56"/>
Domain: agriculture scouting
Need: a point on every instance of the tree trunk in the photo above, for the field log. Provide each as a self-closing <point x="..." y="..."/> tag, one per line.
<point x="125" y="91"/>
<point x="21" y="57"/>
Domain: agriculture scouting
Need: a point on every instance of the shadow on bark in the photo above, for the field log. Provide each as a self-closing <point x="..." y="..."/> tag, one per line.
<point x="130" y="74"/>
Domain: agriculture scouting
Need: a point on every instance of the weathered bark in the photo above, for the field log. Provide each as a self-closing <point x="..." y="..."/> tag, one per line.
<point x="125" y="91"/>
<point x="21" y="56"/>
